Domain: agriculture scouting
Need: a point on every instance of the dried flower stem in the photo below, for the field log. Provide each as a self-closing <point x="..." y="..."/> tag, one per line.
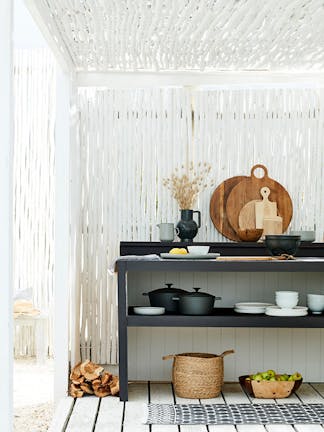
<point x="185" y="186"/>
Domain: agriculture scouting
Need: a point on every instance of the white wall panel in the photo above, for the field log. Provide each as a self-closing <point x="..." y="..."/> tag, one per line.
<point x="284" y="350"/>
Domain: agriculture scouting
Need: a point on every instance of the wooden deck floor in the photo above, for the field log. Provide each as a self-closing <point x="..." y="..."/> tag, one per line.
<point x="92" y="414"/>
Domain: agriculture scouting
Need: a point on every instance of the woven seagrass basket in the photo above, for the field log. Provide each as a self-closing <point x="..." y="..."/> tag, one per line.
<point x="198" y="375"/>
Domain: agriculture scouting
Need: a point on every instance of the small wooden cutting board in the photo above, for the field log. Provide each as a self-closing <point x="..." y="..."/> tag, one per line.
<point x="249" y="190"/>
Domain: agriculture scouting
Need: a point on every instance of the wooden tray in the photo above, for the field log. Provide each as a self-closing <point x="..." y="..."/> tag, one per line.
<point x="217" y="207"/>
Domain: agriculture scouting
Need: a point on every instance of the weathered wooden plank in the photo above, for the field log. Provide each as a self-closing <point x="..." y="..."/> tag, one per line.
<point x="110" y="415"/>
<point x="291" y="399"/>
<point x="308" y="394"/>
<point x="133" y="415"/>
<point x="162" y="393"/>
<point x="62" y="414"/>
<point x="308" y="428"/>
<point x="319" y="387"/>
<point x="250" y="428"/>
<point x="279" y="428"/>
<point x="233" y="393"/>
<point x="84" y="414"/>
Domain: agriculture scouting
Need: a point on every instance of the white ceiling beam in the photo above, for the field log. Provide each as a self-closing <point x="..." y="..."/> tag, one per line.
<point x="222" y="78"/>
<point x="51" y="34"/>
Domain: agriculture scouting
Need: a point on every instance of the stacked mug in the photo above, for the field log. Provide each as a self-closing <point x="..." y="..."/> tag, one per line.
<point x="287" y="299"/>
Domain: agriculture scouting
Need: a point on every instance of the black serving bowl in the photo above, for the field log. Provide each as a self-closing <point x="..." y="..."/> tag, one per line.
<point x="282" y="244"/>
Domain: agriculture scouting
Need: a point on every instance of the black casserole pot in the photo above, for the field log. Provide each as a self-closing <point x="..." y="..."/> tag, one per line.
<point x="163" y="297"/>
<point x="196" y="303"/>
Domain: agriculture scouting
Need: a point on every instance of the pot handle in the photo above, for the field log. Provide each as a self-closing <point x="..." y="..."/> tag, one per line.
<point x="145" y="294"/>
<point x="218" y="298"/>
<point x="225" y="353"/>
<point x="175" y="298"/>
<point x="169" y="357"/>
<point x="199" y="217"/>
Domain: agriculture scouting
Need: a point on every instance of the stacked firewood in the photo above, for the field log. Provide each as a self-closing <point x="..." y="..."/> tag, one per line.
<point x="91" y="378"/>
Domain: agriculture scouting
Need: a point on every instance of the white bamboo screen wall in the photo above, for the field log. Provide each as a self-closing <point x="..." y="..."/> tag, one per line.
<point x="33" y="244"/>
<point x="131" y="139"/>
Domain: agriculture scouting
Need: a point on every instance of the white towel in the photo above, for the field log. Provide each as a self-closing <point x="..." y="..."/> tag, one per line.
<point x="151" y="257"/>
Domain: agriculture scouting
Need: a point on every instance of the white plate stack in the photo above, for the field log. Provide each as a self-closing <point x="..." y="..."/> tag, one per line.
<point x="278" y="311"/>
<point x="286" y="305"/>
<point x="251" y="307"/>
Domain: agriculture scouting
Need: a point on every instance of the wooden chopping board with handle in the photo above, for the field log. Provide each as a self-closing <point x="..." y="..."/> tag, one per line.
<point x="249" y="190"/>
<point x="218" y="207"/>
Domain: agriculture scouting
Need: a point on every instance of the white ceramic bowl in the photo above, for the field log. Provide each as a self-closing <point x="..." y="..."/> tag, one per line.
<point x="198" y="250"/>
<point x="287" y="294"/>
<point x="286" y="303"/>
<point x="308" y="236"/>
<point x="315" y="303"/>
<point x="287" y="299"/>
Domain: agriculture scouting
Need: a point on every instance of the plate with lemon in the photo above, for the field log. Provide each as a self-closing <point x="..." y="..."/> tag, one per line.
<point x="182" y="253"/>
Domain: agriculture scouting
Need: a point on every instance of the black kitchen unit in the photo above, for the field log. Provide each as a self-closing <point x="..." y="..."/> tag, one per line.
<point x="221" y="317"/>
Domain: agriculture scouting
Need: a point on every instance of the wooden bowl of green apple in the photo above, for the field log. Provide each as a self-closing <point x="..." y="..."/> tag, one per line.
<point x="270" y="385"/>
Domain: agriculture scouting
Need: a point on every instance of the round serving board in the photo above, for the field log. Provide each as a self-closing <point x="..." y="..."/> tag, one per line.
<point x="217" y="207"/>
<point x="248" y="190"/>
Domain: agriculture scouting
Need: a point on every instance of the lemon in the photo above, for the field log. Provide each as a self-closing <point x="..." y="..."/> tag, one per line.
<point x="183" y="251"/>
<point x="178" y="251"/>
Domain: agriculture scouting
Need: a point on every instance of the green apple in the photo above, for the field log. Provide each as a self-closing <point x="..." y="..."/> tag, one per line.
<point x="283" y="377"/>
<point x="271" y="372"/>
<point x="265" y="375"/>
<point x="257" y="377"/>
<point x="296" y="376"/>
<point x="272" y="378"/>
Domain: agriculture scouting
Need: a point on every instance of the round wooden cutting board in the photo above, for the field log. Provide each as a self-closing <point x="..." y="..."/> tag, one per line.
<point x="249" y="189"/>
<point x="217" y="207"/>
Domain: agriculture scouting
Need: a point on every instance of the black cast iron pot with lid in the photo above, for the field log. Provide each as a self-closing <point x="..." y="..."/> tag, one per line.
<point x="196" y="303"/>
<point x="163" y="297"/>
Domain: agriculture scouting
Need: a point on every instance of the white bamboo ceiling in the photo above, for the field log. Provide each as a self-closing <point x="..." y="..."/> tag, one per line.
<point x="207" y="35"/>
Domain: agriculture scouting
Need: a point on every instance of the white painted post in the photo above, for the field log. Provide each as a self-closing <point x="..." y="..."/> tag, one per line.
<point x="62" y="229"/>
<point x="6" y="147"/>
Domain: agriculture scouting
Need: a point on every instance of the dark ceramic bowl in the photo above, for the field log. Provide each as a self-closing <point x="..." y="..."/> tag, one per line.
<point x="282" y="244"/>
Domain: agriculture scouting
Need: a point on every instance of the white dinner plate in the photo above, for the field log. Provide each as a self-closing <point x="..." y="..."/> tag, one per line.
<point x="277" y="311"/>
<point x="149" y="310"/>
<point x="250" y="310"/>
<point x="251" y="307"/>
<point x="189" y="256"/>
<point x="246" y="305"/>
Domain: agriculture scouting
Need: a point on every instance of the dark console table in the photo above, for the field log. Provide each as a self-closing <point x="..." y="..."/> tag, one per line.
<point x="222" y="317"/>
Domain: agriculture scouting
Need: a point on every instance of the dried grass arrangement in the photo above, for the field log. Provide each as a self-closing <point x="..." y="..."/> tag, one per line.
<point x="186" y="183"/>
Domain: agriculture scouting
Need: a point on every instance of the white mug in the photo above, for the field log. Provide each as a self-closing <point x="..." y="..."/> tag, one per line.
<point x="167" y="231"/>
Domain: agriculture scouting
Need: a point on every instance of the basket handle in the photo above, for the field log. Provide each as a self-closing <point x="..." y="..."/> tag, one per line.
<point x="225" y="353"/>
<point x="168" y="357"/>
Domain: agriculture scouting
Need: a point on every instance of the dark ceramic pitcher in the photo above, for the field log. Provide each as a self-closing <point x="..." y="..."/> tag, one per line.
<point x="187" y="227"/>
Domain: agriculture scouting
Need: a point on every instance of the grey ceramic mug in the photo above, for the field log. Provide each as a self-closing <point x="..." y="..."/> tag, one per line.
<point x="167" y="231"/>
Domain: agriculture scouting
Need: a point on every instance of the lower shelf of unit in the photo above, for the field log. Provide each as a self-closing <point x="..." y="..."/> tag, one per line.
<point x="223" y="317"/>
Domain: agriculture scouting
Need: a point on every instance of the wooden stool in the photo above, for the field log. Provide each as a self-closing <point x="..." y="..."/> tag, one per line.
<point x="39" y="324"/>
